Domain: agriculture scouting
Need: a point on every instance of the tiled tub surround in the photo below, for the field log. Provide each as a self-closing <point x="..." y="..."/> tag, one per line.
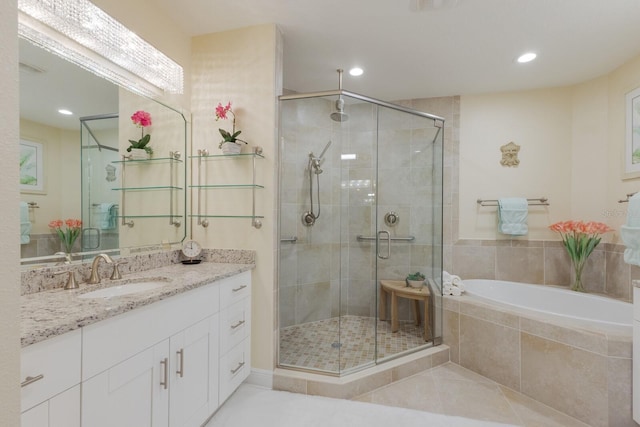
<point x="53" y="312"/>
<point x="544" y="263"/>
<point x="582" y="371"/>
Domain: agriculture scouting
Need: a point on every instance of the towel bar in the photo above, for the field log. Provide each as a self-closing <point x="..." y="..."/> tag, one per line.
<point x="626" y="200"/>
<point x="542" y="201"/>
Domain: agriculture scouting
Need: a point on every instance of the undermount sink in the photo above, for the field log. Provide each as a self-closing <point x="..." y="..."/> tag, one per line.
<point x="126" y="289"/>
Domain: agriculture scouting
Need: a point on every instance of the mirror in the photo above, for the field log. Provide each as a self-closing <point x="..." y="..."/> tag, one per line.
<point x="72" y="166"/>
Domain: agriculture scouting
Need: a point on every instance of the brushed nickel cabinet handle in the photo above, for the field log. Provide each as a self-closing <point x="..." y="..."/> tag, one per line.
<point x="238" y="288"/>
<point x="180" y="370"/>
<point x="31" y="380"/>
<point x="240" y="365"/>
<point x="237" y="325"/>
<point x="165" y="368"/>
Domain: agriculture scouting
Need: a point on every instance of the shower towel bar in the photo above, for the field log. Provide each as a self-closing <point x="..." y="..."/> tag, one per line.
<point x="361" y="238"/>
<point x="542" y="201"/>
<point x="289" y="239"/>
<point x="626" y="200"/>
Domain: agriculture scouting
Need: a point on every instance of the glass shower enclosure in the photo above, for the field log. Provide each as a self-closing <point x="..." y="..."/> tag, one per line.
<point x="99" y="142"/>
<point x="360" y="202"/>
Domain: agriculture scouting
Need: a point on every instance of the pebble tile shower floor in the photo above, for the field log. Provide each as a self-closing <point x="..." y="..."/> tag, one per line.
<point x="339" y="344"/>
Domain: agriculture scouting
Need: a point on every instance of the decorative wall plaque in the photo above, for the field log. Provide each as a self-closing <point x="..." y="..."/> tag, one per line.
<point x="510" y="154"/>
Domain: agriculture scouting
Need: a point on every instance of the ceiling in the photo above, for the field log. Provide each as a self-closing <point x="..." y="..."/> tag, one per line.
<point x="49" y="83"/>
<point x="427" y="48"/>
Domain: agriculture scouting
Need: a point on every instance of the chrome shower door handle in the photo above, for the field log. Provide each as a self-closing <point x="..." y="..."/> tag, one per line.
<point x="388" y="244"/>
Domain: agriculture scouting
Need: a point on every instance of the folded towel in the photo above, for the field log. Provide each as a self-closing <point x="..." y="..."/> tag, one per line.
<point x="630" y="233"/>
<point x="512" y="216"/>
<point x="25" y="224"/>
<point x="452" y="284"/>
<point x="633" y="211"/>
<point x="631" y="238"/>
<point x="107" y="215"/>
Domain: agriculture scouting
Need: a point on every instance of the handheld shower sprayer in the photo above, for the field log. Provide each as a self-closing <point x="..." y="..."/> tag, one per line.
<point x="309" y="217"/>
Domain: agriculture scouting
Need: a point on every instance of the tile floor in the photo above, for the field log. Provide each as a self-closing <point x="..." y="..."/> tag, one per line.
<point x="447" y="396"/>
<point x="313" y="345"/>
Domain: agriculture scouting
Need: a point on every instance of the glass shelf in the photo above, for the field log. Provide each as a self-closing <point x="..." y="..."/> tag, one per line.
<point x="228" y="156"/>
<point x="151" y="160"/>
<point x="168" y="187"/>
<point x="228" y="186"/>
<point x="149" y="216"/>
<point x="228" y="216"/>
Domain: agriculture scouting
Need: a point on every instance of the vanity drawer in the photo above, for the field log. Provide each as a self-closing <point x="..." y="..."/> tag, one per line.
<point x="235" y="367"/>
<point x="49" y="367"/>
<point x="235" y="288"/>
<point x="235" y="324"/>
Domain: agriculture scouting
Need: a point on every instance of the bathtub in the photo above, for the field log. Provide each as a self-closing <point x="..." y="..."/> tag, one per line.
<point x="563" y="303"/>
<point x="569" y="350"/>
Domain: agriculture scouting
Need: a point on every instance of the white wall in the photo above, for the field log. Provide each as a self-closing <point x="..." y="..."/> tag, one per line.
<point x="540" y="122"/>
<point x="241" y="66"/>
<point x="572" y="141"/>
<point x="9" y="239"/>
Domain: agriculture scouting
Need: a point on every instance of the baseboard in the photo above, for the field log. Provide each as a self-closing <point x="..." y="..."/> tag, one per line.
<point x="260" y="377"/>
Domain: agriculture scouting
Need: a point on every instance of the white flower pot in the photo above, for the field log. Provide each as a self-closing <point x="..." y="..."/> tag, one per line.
<point x="415" y="283"/>
<point x="139" y="154"/>
<point x="231" y="148"/>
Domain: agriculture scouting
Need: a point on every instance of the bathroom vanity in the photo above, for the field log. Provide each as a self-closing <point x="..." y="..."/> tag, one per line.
<point x="169" y="356"/>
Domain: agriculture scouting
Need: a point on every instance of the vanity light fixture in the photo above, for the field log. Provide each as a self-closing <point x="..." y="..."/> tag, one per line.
<point x="527" y="57"/>
<point x="65" y="112"/>
<point x="84" y="34"/>
<point x="356" y="71"/>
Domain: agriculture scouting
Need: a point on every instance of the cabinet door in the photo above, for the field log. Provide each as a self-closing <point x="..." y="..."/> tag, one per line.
<point x="192" y="353"/>
<point x="133" y="393"/>
<point x="62" y="410"/>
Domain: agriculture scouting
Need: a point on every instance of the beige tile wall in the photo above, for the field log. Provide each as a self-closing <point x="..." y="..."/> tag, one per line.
<point x="544" y="263"/>
<point x="583" y="373"/>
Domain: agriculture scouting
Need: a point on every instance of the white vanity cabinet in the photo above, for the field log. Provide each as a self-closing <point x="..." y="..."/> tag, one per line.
<point x="157" y="365"/>
<point x="235" y="340"/>
<point x="50" y="375"/>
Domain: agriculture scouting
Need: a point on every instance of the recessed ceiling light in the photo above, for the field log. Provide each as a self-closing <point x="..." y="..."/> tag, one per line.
<point x="527" y="57"/>
<point x="356" y="71"/>
<point x="65" y="112"/>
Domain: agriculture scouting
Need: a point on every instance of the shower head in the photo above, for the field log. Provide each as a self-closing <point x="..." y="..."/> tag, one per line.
<point x="339" y="115"/>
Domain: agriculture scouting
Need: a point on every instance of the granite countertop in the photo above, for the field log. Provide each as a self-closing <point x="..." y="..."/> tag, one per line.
<point x="49" y="313"/>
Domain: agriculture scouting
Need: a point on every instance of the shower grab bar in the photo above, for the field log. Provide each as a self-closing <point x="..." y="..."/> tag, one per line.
<point x="361" y="238"/>
<point x="289" y="239"/>
<point x="542" y="201"/>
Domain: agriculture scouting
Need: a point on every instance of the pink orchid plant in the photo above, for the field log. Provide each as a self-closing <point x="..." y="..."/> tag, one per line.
<point x="67" y="230"/>
<point x="221" y="113"/>
<point x="141" y="119"/>
<point x="580" y="239"/>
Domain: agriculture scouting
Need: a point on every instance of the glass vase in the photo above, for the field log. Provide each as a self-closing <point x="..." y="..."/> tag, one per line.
<point x="578" y="265"/>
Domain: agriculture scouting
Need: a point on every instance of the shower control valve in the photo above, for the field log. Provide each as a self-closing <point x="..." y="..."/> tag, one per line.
<point x="391" y="219"/>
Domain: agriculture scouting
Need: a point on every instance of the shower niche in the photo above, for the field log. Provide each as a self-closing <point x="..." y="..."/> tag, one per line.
<point x="335" y="246"/>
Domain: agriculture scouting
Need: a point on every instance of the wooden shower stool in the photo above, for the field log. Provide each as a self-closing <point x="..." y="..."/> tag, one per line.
<point x="399" y="289"/>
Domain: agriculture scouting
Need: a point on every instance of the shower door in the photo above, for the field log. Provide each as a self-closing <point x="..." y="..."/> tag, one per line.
<point x="99" y="138"/>
<point x="351" y="174"/>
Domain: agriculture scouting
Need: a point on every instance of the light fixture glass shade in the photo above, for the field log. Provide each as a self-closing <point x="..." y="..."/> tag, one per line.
<point x="82" y="33"/>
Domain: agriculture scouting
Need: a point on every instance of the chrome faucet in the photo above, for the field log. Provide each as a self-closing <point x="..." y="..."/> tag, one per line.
<point x="95" y="278"/>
